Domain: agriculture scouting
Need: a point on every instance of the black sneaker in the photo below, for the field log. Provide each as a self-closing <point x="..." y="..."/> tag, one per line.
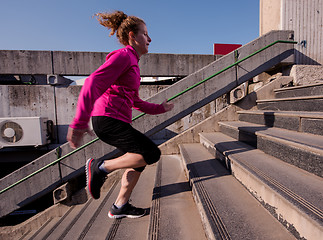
<point x="126" y="211"/>
<point x="94" y="177"/>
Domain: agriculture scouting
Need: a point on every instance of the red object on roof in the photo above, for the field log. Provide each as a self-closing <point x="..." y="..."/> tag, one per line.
<point x="223" y="49"/>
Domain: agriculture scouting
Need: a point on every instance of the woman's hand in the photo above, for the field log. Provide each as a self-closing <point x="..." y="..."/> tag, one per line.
<point x="75" y="136"/>
<point x="168" y="105"/>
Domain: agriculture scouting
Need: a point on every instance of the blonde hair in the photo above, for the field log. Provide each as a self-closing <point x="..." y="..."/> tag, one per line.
<point x="121" y="24"/>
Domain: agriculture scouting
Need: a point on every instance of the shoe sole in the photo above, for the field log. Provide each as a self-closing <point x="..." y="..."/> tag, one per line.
<point x="125" y="215"/>
<point x="88" y="175"/>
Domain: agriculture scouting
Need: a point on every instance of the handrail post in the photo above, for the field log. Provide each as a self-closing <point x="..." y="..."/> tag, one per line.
<point x="59" y="155"/>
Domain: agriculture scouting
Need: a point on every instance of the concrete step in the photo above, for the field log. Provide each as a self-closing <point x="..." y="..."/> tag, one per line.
<point x="303" y="150"/>
<point x="127" y="228"/>
<point x="309" y="122"/>
<point x="227" y="209"/>
<point x="292" y="195"/>
<point x="308" y="103"/>
<point x="299" y="91"/>
<point x="75" y="223"/>
<point x="89" y="220"/>
<point x="41" y="232"/>
<point x="174" y="214"/>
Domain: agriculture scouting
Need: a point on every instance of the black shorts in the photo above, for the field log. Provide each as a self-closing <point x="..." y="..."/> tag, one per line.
<point x="124" y="137"/>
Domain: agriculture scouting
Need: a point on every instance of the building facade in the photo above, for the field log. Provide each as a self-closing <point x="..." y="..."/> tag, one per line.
<point x="304" y="17"/>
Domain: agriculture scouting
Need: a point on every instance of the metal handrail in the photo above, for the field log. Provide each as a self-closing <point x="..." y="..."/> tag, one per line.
<point x="142" y="114"/>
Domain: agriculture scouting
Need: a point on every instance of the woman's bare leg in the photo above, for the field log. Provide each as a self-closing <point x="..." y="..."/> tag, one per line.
<point x="128" y="160"/>
<point x="130" y="176"/>
<point x="128" y="183"/>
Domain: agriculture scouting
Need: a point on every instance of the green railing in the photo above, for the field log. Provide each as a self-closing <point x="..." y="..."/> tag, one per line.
<point x="140" y="115"/>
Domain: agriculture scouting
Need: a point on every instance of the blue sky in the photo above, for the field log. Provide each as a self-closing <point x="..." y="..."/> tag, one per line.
<point x="175" y="26"/>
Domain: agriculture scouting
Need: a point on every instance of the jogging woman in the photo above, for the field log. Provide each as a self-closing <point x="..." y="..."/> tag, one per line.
<point x="108" y="96"/>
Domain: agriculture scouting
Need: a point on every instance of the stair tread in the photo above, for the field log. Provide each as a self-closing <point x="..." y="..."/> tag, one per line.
<point x="76" y="221"/>
<point x="304" y="184"/>
<point x="243" y="216"/>
<point x="284" y="113"/>
<point x="179" y="217"/>
<point x="40" y="233"/>
<point x="90" y="219"/>
<point x="135" y="229"/>
<point x="290" y="99"/>
<point x="298" y="87"/>
<point x="301" y="139"/>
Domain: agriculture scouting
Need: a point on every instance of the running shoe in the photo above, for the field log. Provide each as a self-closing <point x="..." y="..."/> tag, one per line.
<point x="126" y="211"/>
<point x="94" y="177"/>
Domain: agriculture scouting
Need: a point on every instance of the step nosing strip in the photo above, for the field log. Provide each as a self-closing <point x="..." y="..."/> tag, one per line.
<point x="153" y="231"/>
<point x="311" y="115"/>
<point x="113" y="230"/>
<point x="297" y="87"/>
<point x="291" y="99"/>
<point x="210" y="206"/>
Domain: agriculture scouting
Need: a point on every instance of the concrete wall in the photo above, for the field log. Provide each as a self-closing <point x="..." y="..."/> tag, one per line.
<point x="18" y="62"/>
<point x="59" y="105"/>
<point x="269" y="16"/>
<point x="305" y="18"/>
<point x="55" y="103"/>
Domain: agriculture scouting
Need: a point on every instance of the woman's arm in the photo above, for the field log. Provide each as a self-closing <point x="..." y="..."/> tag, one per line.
<point x="96" y="84"/>
<point x="152" y="108"/>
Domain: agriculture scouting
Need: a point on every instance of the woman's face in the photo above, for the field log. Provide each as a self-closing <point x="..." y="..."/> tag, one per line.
<point x="140" y="41"/>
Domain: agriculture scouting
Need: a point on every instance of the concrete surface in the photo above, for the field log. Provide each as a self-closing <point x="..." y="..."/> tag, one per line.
<point x="302" y="150"/>
<point x="19" y="62"/>
<point x="226" y="207"/>
<point x="307" y="74"/>
<point x="291" y="194"/>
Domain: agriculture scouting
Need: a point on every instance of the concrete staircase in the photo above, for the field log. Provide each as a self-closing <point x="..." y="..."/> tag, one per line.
<point x="257" y="178"/>
<point x="240" y="174"/>
<point x="163" y="189"/>
<point x="274" y="155"/>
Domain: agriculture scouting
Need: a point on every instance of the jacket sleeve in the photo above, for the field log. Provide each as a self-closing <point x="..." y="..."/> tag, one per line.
<point x="96" y="84"/>
<point x="147" y="107"/>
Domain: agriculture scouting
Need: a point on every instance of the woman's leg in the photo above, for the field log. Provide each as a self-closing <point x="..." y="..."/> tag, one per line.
<point x="128" y="183"/>
<point x="128" y="160"/>
<point x="121" y="207"/>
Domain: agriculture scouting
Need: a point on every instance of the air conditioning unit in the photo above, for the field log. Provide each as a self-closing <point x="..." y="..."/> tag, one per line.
<point x="23" y="131"/>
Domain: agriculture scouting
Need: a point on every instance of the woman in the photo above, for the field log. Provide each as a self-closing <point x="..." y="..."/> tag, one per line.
<point x="108" y="96"/>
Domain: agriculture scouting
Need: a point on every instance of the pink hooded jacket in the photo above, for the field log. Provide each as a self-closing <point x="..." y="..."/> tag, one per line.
<point x="112" y="90"/>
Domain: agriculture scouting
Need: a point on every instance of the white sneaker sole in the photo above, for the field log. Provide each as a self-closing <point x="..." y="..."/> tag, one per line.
<point x="125" y="215"/>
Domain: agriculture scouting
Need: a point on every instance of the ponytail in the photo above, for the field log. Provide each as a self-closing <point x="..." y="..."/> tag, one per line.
<point x="121" y="24"/>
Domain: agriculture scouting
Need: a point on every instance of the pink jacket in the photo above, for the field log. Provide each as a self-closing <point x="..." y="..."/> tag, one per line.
<point x="112" y="90"/>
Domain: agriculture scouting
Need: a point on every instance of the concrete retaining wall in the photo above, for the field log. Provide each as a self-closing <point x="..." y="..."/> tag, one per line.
<point x="16" y="62"/>
<point x="59" y="105"/>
